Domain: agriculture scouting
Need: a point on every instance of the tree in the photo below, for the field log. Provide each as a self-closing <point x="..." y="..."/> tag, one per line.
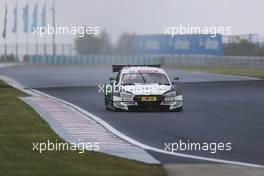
<point x="126" y="44"/>
<point x="243" y="48"/>
<point x="93" y="44"/>
<point x="105" y="43"/>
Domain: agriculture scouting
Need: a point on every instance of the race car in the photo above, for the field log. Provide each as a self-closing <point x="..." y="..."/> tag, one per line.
<point x="142" y="87"/>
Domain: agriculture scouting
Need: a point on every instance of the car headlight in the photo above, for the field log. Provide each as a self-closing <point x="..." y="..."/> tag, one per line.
<point x="171" y="94"/>
<point x="171" y="99"/>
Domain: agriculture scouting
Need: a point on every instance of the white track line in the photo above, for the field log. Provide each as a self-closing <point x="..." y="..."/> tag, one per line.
<point x="123" y="136"/>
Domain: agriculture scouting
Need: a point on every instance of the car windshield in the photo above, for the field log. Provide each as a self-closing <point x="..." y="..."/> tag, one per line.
<point x="132" y="78"/>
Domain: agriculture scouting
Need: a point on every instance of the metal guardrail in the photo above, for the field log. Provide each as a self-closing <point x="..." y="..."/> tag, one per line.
<point x="149" y="60"/>
<point x="241" y="61"/>
<point x="93" y="60"/>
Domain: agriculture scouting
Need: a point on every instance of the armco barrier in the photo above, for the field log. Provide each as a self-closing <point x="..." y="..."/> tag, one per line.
<point x="240" y="61"/>
<point x="149" y="60"/>
<point x="93" y="60"/>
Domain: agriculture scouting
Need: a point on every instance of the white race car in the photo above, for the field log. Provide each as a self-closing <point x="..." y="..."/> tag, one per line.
<point x="143" y="87"/>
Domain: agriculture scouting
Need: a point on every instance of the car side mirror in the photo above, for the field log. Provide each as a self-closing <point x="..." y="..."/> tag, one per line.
<point x="176" y="78"/>
<point x="112" y="79"/>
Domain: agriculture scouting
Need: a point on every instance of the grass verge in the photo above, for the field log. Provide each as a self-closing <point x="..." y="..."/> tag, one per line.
<point x="20" y="126"/>
<point x="241" y="71"/>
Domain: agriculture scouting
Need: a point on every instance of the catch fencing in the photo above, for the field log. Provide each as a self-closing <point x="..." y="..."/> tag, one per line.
<point x="239" y="61"/>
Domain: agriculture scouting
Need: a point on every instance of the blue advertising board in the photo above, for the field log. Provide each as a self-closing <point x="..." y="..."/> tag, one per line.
<point x="196" y="44"/>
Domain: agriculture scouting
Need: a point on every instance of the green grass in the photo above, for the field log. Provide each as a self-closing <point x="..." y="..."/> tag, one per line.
<point x="241" y="71"/>
<point x="20" y="126"/>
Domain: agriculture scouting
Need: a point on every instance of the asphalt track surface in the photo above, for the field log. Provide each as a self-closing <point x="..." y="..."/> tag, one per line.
<point x="217" y="109"/>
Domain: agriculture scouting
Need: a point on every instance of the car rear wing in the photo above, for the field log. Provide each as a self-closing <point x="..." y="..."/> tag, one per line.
<point x="117" y="68"/>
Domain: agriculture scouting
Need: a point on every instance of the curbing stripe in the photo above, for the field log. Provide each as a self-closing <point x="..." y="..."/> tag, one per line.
<point x="108" y="143"/>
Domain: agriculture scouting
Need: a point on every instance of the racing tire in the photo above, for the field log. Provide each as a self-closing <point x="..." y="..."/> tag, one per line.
<point x="113" y="108"/>
<point x="107" y="105"/>
<point x="110" y="106"/>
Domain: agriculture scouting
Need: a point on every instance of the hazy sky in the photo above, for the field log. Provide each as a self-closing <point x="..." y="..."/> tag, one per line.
<point x="144" y="16"/>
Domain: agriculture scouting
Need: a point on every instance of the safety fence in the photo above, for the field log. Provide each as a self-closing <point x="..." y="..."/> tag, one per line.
<point x="93" y="59"/>
<point x="148" y="60"/>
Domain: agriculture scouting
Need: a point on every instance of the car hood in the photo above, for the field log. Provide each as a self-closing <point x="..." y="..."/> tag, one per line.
<point x="147" y="89"/>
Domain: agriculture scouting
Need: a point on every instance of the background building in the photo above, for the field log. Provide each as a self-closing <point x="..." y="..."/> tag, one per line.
<point x="197" y="44"/>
